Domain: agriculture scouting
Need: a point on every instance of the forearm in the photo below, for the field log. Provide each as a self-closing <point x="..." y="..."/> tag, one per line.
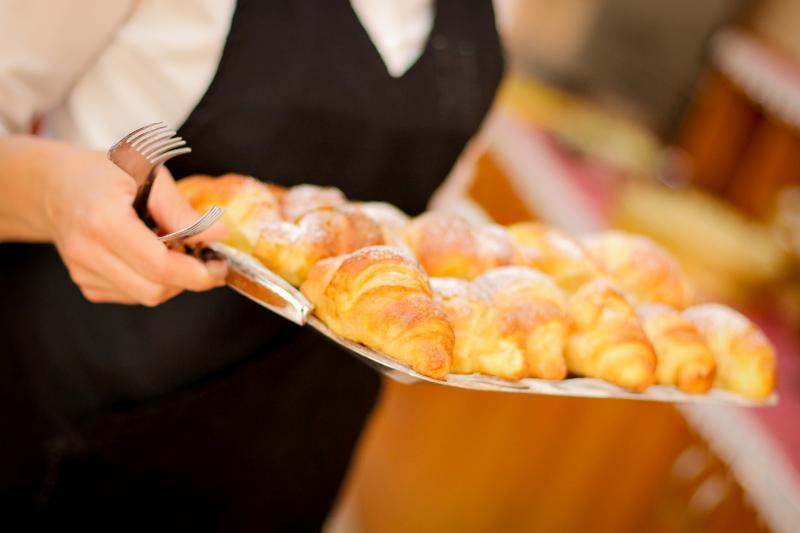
<point x="24" y="160"/>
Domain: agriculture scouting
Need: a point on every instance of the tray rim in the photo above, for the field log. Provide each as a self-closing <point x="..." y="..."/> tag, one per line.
<point x="572" y="387"/>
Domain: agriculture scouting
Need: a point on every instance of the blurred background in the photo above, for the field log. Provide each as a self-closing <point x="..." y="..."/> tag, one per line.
<point x="679" y="120"/>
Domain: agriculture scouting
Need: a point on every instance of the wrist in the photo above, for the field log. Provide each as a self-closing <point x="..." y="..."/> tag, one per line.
<point x="28" y="179"/>
<point x="50" y="160"/>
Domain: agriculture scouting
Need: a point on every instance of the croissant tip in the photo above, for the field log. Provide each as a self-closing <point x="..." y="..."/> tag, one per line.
<point x="634" y="376"/>
<point x="436" y="363"/>
<point x="695" y="378"/>
<point x="556" y="369"/>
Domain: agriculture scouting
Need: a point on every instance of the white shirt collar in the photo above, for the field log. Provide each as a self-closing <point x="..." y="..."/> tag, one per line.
<point x="399" y="30"/>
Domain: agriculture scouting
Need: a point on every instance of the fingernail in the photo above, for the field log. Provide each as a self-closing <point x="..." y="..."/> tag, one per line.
<point x="218" y="269"/>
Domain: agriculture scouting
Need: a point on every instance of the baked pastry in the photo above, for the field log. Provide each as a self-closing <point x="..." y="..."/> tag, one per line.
<point x="249" y="204"/>
<point x="380" y="297"/>
<point x="683" y="357"/>
<point x="447" y="245"/>
<point x="391" y="220"/>
<point x="301" y="199"/>
<point x="291" y="249"/>
<point x="480" y="346"/>
<point x="745" y="357"/>
<point x="554" y="253"/>
<point x="606" y="340"/>
<point x="195" y="186"/>
<point x="646" y="271"/>
<point x="530" y="308"/>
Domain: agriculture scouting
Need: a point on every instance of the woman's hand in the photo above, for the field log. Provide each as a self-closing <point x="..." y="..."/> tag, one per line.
<point x="110" y="254"/>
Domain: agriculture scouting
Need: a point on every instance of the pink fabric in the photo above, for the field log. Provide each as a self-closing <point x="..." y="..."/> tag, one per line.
<point x="594" y="180"/>
<point x="783" y="420"/>
<point x="765" y="74"/>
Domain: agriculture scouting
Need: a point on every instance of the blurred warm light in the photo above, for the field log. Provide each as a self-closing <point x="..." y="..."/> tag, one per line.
<point x="727" y="254"/>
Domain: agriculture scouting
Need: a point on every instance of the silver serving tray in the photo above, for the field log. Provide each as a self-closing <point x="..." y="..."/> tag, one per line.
<point x="253" y="280"/>
<point x="248" y="277"/>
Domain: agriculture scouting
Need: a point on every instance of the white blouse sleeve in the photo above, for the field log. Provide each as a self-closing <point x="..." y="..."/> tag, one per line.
<point x="45" y="46"/>
<point x="156" y="67"/>
<point x="96" y="69"/>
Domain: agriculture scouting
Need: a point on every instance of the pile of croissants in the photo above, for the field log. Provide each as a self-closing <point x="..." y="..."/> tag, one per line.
<point x="444" y="295"/>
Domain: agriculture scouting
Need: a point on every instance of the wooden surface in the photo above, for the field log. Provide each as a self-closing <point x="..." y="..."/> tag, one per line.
<point x="452" y="460"/>
<point x="739" y="150"/>
<point x="717" y="132"/>
<point x="437" y="459"/>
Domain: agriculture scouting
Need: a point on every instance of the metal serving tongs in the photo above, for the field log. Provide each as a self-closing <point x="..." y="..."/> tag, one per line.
<point x="140" y="154"/>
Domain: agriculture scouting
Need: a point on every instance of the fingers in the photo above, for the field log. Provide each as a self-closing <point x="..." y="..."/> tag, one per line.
<point x="109" y="252"/>
<point x="114" y="257"/>
<point x="108" y="279"/>
<point x="142" y="252"/>
<point x="172" y="212"/>
<point x="114" y="226"/>
<point x="97" y="296"/>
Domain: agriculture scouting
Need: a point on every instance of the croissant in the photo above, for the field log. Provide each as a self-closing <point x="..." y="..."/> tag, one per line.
<point x="606" y="340"/>
<point x="194" y="186"/>
<point x="480" y="346"/>
<point x="683" y="357"/>
<point x="292" y="249"/>
<point x="447" y="245"/>
<point x="745" y="357"/>
<point x="528" y="307"/>
<point x="249" y="204"/>
<point x="302" y="199"/>
<point x="554" y="253"/>
<point x="641" y="267"/>
<point x="391" y="220"/>
<point x="380" y="297"/>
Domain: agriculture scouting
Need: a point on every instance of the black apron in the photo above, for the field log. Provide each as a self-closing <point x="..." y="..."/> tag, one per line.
<point x="210" y="411"/>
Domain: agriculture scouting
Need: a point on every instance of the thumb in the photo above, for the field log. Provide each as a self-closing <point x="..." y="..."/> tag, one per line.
<point x="172" y="211"/>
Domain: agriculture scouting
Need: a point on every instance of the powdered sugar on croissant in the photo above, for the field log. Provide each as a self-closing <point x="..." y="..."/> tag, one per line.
<point x="301" y="199"/>
<point x="480" y="346"/>
<point x="684" y="359"/>
<point x="292" y="249"/>
<point x="645" y="270"/>
<point x="745" y="357"/>
<point x="391" y="220"/>
<point x="607" y="340"/>
<point x="555" y="253"/>
<point x="249" y="204"/>
<point x="447" y="245"/>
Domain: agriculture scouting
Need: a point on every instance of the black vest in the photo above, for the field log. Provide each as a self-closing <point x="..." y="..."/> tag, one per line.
<point x="232" y="413"/>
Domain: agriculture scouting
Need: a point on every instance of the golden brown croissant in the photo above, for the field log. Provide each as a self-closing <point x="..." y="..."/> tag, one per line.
<point x="530" y="308"/>
<point x="391" y="220"/>
<point x="480" y="346"/>
<point x="249" y="204"/>
<point x="194" y="187"/>
<point x="646" y="271"/>
<point x="745" y="357"/>
<point x="380" y="297"/>
<point x="447" y="245"/>
<point x="292" y="249"/>
<point x="301" y="199"/>
<point x="683" y="357"/>
<point x="606" y="340"/>
<point x="554" y="253"/>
